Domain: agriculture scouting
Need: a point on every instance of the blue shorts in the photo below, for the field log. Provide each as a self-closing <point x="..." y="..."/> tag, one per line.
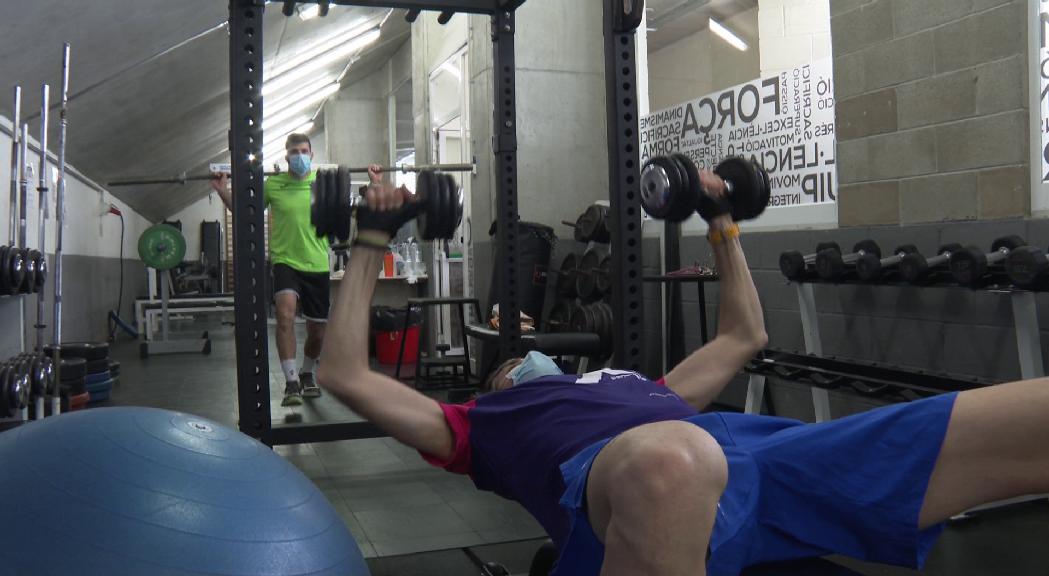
<point x="852" y="486"/>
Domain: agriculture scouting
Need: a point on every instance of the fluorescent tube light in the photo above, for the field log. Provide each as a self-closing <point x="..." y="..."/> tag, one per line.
<point x="327" y="59"/>
<point x="727" y="35"/>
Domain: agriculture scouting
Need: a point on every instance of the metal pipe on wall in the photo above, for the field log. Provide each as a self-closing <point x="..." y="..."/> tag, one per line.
<point x="15" y="150"/>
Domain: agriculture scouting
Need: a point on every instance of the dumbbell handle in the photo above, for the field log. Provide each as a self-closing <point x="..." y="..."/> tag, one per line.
<point x="998" y="255"/>
<point x="893" y="259"/>
<point x="852" y="257"/>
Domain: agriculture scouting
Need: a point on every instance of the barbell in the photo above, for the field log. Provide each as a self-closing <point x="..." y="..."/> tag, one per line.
<point x="437" y="207"/>
<point x="404" y="169"/>
<point x="671" y="189"/>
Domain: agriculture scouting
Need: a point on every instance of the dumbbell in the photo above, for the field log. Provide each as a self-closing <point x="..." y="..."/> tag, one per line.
<point x="12" y="269"/>
<point x="916" y="269"/>
<point x="437" y="207"/>
<point x="970" y="266"/>
<point x="29" y="280"/>
<point x="671" y="189"/>
<point x="1027" y="266"/>
<point x="797" y="266"/>
<point x="41" y="270"/>
<point x="870" y="267"/>
<point x="14" y="391"/>
<point x="833" y="265"/>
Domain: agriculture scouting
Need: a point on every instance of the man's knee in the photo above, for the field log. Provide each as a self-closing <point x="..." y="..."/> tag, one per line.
<point x="285" y="310"/>
<point x="666" y="461"/>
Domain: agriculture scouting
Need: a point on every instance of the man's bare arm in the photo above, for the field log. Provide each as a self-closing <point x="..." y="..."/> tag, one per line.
<point x="221" y="186"/>
<point x="741" y="329"/>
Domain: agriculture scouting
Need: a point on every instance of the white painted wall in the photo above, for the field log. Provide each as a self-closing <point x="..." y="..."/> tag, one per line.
<point x="87" y="231"/>
<point x="209" y="208"/>
<point x="793" y="32"/>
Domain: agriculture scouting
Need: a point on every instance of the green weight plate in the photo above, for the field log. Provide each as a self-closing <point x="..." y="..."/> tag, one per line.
<point x="161" y="247"/>
<point x="345" y="183"/>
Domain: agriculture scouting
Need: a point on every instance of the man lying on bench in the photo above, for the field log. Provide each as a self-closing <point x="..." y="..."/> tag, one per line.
<point x="629" y="478"/>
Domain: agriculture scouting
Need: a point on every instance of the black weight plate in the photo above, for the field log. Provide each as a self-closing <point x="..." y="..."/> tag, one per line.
<point x="41" y="270"/>
<point x="683" y="199"/>
<point x="606" y="224"/>
<point x="603" y="276"/>
<point x="792" y="264"/>
<point x="74" y="386"/>
<point x="87" y="350"/>
<point x="453" y="206"/>
<point x="588" y="222"/>
<point x="1011" y="242"/>
<point x="580" y="225"/>
<point x="745" y="187"/>
<point x="661" y="189"/>
<point x="29" y="280"/>
<point x="317" y="205"/>
<point x="4" y="267"/>
<point x="435" y="209"/>
<point x="426" y="189"/>
<point x="586" y="285"/>
<point x="868" y="267"/>
<point x="1026" y="265"/>
<point x="73" y="368"/>
<point x="766" y="187"/>
<point x="829" y="264"/>
<point x="968" y="265"/>
<point x="331" y="183"/>
<point x="868" y="247"/>
<point x="691" y="173"/>
<point x="560" y="315"/>
<point x="97" y="366"/>
<point x="447" y="215"/>
<point x="345" y="184"/>
<point x="17" y="270"/>
<point x="566" y="275"/>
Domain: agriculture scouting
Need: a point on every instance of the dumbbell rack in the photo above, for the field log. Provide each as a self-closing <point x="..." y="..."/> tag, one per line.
<point x="1025" y="322"/>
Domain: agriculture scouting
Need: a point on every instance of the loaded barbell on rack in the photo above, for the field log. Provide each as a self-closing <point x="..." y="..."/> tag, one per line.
<point x="183" y="178"/>
<point x="797" y="266"/>
<point x="970" y="266"/>
<point x="833" y="265"/>
<point x="437" y="207"/>
<point x="915" y="268"/>
<point x="1027" y="266"/>
<point x="671" y="189"/>
<point x="870" y="267"/>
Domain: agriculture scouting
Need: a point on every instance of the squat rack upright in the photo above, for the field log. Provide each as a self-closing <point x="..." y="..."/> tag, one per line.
<point x="621" y="19"/>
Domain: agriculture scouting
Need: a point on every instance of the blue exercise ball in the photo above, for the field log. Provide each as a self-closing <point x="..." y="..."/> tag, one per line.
<point x="137" y="491"/>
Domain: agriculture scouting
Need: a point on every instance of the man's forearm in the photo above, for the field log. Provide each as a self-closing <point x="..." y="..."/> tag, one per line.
<point x="346" y="341"/>
<point x="227" y="198"/>
<point x="739" y="312"/>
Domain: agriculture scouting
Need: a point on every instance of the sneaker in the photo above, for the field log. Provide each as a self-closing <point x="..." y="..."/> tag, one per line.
<point x="309" y="385"/>
<point x="292" y="395"/>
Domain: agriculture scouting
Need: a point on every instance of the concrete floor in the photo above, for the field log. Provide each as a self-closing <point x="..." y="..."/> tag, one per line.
<point x="412" y="519"/>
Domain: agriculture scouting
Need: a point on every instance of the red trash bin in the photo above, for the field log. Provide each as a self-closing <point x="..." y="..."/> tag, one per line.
<point x="388" y="346"/>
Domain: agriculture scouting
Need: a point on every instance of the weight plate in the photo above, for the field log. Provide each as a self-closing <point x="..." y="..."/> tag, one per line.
<point x="968" y="265"/>
<point x="829" y="264"/>
<point x="661" y="190"/>
<point x="331" y="202"/>
<point x="97" y="366"/>
<point x="1011" y="242"/>
<point x="1027" y="265"/>
<point x="560" y="316"/>
<point x="792" y="264"/>
<point x="4" y="270"/>
<point x="435" y="208"/>
<point x="16" y="270"/>
<point x="426" y="189"/>
<point x="603" y="276"/>
<point x="827" y="246"/>
<point x="580" y="227"/>
<point x="73" y="368"/>
<point x="868" y="247"/>
<point x="746" y="187"/>
<point x="691" y="173"/>
<point x="587" y="223"/>
<point x="29" y="279"/>
<point x="8" y="395"/>
<point x="317" y="206"/>
<point x="566" y="275"/>
<point x="87" y="350"/>
<point x="326" y="218"/>
<point x="868" y="267"/>
<point x="41" y="270"/>
<point x="452" y="203"/>
<point x="161" y="247"/>
<point x="585" y="279"/>
<point x="345" y="184"/>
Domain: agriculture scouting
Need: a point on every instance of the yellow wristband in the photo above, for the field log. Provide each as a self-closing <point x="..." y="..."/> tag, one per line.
<point x="716" y="237"/>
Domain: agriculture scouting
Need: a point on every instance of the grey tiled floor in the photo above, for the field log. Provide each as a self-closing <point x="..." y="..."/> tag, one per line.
<point x="393" y="502"/>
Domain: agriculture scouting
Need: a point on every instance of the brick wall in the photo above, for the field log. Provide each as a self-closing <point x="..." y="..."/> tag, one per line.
<point x="932" y="110"/>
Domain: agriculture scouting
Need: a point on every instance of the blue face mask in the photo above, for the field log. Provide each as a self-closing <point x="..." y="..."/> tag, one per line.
<point x="535" y="365"/>
<point x="299" y="164"/>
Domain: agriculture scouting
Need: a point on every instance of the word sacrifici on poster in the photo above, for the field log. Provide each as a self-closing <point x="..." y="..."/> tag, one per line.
<point x="784" y="122"/>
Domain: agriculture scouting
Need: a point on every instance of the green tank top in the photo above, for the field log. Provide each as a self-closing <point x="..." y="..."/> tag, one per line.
<point x="293" y="238"/>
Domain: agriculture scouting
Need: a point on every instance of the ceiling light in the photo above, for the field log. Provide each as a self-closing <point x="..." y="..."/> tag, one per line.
<point x="278" y="105"/>
<point x="301" y="56"/>
<point x="309" y="12"/>
<point x="313" y="99"/>
<point x="327" y="59"/>
<point x="727" y="35"/>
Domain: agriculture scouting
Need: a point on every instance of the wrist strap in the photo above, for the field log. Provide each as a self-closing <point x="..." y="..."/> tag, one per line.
<point x="368" y="240"/>
<point x="716" y="237"/>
